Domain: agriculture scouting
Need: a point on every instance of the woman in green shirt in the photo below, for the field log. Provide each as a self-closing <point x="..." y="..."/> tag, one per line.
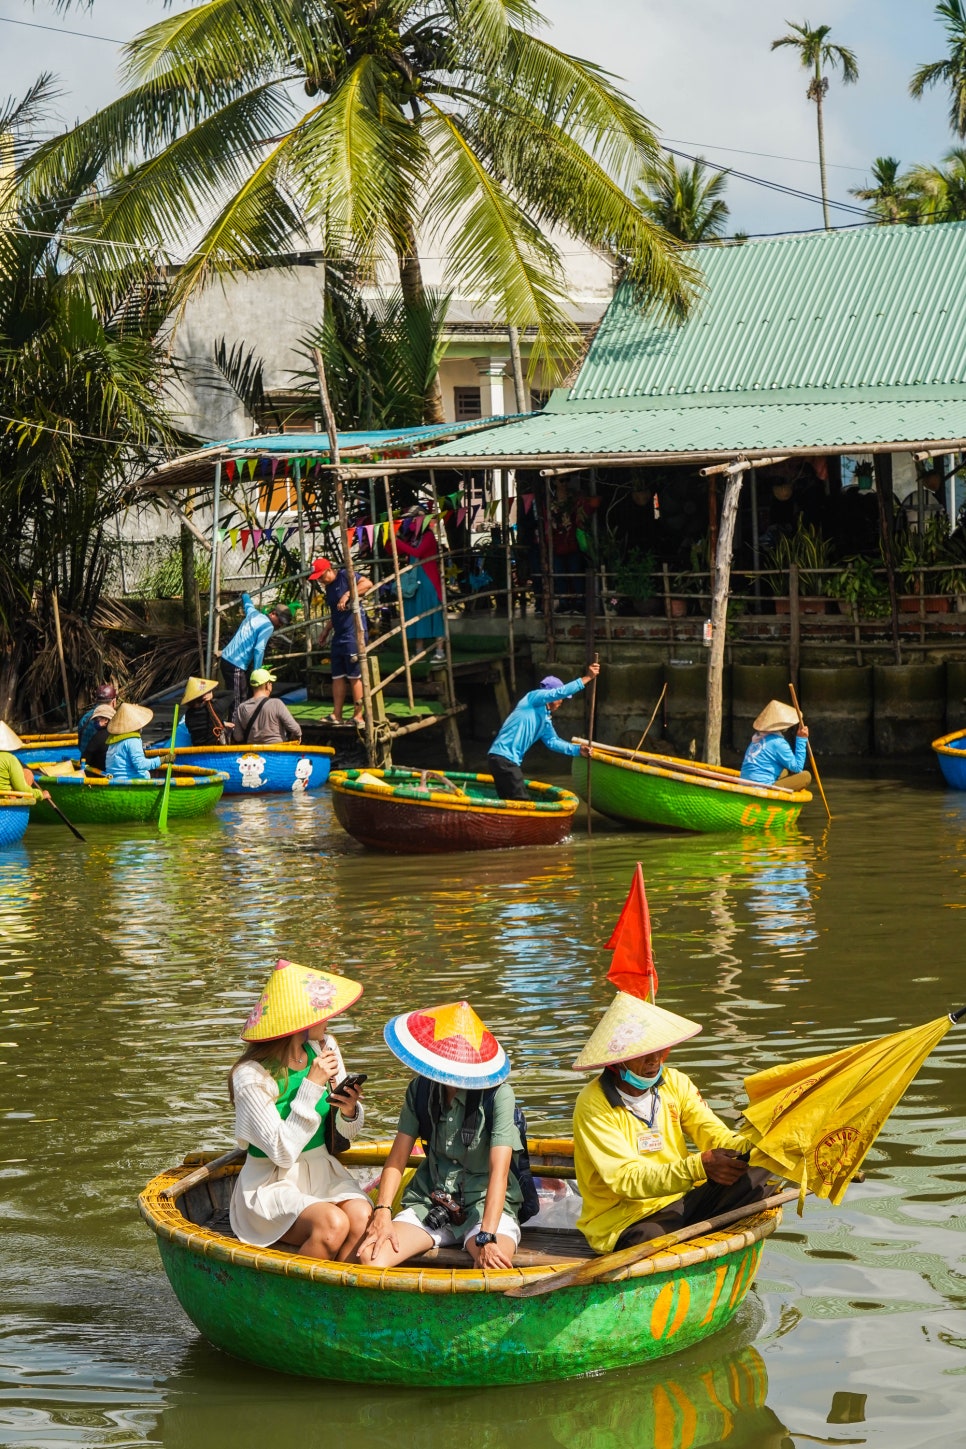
<point x="462" y="1109"/>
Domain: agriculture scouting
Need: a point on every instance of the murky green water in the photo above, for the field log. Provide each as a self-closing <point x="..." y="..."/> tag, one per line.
<point x="126" y="969"/>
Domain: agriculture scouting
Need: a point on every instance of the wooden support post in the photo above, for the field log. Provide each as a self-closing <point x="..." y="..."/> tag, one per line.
<point x="306" y="587"/>
<point x="508" y="555"/>
<point x="794" y="625"/>
<point x="668" y="608"/>
<point x="399" y="594"/>
<point x="368" y="723"/>
<point x="883" y="493"/>
<point x="213" y="580"/>
<point x="719" y="615"/>
<point x="546" y="561"/>
<point x="454" y="747"/>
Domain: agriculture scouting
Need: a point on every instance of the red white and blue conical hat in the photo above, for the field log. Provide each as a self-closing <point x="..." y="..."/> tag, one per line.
<point x="448" y="1044"/>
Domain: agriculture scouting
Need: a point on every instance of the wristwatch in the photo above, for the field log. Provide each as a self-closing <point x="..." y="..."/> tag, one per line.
<point x="483" y="1238"/>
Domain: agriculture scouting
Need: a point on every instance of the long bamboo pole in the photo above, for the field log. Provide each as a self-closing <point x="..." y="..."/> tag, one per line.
<point x="213" y="579"/>
<point x="63" y="661"/>
<point x="660" y="701"/>
<point x="590" y="757"/>
<point x="811" y="752"/>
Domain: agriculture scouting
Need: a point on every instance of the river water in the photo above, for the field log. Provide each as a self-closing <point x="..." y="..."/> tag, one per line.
<point x="127" y="967"/>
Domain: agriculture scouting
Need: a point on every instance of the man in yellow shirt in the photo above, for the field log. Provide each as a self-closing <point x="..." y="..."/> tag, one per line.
<point x="636" y="1174"/>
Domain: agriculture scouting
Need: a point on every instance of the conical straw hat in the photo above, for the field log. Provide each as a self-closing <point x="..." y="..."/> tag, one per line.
<point x="633" y="1028"/>
<point x="448" y="1044"/>
<point x="775" y="717"/>
<point x="128" y="718"/>
<point x="196" y="687"/>
<point x="295" y="998"/>
<point x="9" y="739"/>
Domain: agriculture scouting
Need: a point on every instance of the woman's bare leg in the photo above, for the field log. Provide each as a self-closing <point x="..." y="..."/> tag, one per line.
<point x="319" y="1231"/>
<point x="358" y="1214"/>
<point x="412" y="1241"/>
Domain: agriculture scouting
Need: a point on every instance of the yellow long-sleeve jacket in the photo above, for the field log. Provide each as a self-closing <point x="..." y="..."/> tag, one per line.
<point x="627" y="1170"/>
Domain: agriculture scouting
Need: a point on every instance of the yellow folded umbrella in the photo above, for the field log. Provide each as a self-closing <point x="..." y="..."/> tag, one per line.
<point x="813" y="1121"/>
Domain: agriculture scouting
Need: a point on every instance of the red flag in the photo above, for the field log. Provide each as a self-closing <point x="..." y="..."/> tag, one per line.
<point x="632" y="968"/>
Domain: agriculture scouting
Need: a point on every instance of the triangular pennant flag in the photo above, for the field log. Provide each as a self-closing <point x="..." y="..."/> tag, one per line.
<point x="581" y="540"/>
<point x="251" y="467"/>
<point x="426" y="521"/>
<point x="397" y="524"/>
<point x="246" y="538"/>
<point x="369" y="531"/>
<point x="222" y="534"/>
<point x="233" y="535"/>
<point x="275" y="465"/>
<point x="230" y="469"/>
<point x="460" y="515"/>
<point x="632" y="968"/>
<point x="528" y="502"/>
<point x="385" y="533"/>
<point x="289" y="531"/>
<point x="279" y="535"/>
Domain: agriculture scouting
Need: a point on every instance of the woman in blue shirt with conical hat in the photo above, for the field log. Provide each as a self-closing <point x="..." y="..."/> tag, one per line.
<point x="770" y="759"/>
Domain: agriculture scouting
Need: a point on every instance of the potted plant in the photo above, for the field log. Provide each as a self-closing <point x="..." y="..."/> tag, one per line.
<point x="634" y="581"/>
<point x="918" y="551"/>
<point x="858" y="591"/>
<point x="807" y="548"/>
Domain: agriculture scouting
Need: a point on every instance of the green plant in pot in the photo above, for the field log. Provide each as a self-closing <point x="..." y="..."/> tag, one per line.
<point x="811" y="552"/>
<point x="859" y="590"/>
<point x="634" y="581"/>
<point x="953" y="581"/>
<point x="926" y="550"/>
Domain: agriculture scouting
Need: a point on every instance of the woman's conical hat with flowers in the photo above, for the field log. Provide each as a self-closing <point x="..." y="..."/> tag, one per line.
<point x="633" y="1028"/>
<point x="295" y="998"/>
<point x="196" y="688"/>
<point x="448" y="1044"/>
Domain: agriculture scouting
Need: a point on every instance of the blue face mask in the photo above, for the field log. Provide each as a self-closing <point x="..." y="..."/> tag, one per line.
<point x="642" y="1083"/>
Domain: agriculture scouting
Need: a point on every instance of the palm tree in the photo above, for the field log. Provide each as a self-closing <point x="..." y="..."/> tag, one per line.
<point x="938" y="193"/>
<point x="455" y="122"/>
<point x="951" y="71"/>
<point x="686" y="203"/>
<point x="889" y="195"/>
<point x="814" y="51"/>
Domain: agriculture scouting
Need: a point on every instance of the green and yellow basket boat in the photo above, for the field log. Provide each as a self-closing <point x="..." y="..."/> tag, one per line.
<point x="432" y="1322"/>
<point x="662" y="792"/>
<point x="97" y="800"/>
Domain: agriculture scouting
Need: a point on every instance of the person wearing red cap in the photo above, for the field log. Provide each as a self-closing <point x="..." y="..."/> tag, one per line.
<point x="346" y="667"/>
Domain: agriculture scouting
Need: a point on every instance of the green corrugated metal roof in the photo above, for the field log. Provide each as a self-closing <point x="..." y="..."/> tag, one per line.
<point x="832" y="342"/>
<point x="721" y="428"/>
<point x="877" y="307"/>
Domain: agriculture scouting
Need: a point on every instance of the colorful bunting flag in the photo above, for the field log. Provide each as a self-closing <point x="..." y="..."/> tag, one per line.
<point x="230" y="469"/>
<point x="528" y="502"/>
<point x="233" y="535"/>
<point x="246" y="538"/>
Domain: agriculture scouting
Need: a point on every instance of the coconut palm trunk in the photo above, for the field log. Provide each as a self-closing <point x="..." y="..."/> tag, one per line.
<point x="414" y="296"/>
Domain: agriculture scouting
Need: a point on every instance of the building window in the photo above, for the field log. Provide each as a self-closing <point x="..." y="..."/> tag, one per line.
<point x="468" y="403"/>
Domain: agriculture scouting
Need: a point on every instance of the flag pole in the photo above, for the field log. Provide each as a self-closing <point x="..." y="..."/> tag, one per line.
<point x="590" y="750"/>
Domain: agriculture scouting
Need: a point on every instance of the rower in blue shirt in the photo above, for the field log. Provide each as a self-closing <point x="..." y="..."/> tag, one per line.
<point x="532" y="720"/>
<point x="769" y="759"/>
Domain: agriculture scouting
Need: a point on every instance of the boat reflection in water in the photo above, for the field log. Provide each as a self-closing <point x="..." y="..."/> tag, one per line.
<point x="691" y="1403"/>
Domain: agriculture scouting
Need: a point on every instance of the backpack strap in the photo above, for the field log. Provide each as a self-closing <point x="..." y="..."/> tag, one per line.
<point x="471" y="1117"/>
<point x="253" y="717"/>
<point x="421" y="1104"/>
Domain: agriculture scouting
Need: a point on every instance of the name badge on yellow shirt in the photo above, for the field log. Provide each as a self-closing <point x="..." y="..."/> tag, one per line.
<point x="650" y="1141"/>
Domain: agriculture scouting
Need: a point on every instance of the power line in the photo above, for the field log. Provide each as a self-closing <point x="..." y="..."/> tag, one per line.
<point x="766" y="155"/>
<point x="776" y="186"/>
<point x="61" y="30"/>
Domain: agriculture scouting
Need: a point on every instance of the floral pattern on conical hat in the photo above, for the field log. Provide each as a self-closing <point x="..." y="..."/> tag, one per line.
<point x="9" y="739"/>
<point x="295" y="998"/>
<point x="448" y="1044"/>
<point x="775" y="717"/>
<point x="633" y="1028"/>
<point x="196" y="687"/>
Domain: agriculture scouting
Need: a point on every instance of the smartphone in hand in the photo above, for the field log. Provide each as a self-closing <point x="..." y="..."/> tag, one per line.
<point x="355" y="1080"/>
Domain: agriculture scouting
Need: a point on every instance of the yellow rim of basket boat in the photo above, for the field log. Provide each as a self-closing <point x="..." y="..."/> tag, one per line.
<point x="164" y="1217"/>
<point x="942" y="746"/>
<point x="718" y="777"/>
<point x="566" y="802"/>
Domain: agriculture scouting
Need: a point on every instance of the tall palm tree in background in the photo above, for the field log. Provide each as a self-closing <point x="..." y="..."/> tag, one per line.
<point x="888" y="195"/>
<point x="687" y="202"/>
<point x="815" y="51"/>
<point x="368" y="126"/>
<point x="951" y="71"/>
<point x="938" y="193"/>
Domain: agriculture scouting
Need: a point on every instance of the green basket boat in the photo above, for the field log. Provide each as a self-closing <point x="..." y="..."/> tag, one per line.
<point x="661" y="791"/>
<point x="429" y="1323"/>
<point x="96" y="800"/>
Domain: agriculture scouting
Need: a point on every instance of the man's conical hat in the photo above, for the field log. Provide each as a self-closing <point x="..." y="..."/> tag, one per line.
<point x="196" y="687"/>
<point x="9" y="739"/>
<point x="448" y="1044"/>
<point x="774" y="717"/>
<point x="295" y="998"/>
<point x="127" y="719"/>
<point x="632" y="1028"/>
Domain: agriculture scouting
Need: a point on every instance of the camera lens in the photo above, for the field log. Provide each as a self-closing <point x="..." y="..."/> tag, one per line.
<point x="436" y="1218"/>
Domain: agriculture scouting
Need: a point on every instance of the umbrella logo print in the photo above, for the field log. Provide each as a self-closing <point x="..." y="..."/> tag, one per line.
<point x="835" y="1153"/>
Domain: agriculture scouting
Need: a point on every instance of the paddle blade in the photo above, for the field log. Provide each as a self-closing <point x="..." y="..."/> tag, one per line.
<point x="166" y="792"/>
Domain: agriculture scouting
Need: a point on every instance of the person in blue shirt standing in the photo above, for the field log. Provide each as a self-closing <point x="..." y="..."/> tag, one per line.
<point x="770" y="759"/>
<point x="345" y="662"/>
<point x="532" y="720"/>
<point x="245" y="649"/>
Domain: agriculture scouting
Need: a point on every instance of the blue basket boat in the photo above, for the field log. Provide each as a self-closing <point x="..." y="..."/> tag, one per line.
<point x="262" y="769"/>
<point x="48" y="748"/>
<point x="14" y="814"/>
<point x="951" y="754"/>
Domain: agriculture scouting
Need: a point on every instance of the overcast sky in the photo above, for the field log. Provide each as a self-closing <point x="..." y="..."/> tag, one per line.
<point x="700" y="70"/>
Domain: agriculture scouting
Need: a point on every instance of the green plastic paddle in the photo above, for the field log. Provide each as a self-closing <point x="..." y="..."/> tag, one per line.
<point x="163" y="812"/>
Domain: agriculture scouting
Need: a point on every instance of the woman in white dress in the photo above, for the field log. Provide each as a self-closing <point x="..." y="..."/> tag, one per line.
<point x="291" y="1189"/>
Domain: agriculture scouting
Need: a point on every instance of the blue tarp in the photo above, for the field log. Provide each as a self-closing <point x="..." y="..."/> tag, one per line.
<point x="387" y="440"/>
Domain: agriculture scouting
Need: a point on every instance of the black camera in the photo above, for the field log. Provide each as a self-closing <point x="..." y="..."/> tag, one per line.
<point x="445" y="1210"/>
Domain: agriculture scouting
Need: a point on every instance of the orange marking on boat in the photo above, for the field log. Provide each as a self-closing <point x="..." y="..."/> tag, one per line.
<point x="719" y="1280"/>
<point x="662" y="1310"/>
<point x="684" y="1303"/>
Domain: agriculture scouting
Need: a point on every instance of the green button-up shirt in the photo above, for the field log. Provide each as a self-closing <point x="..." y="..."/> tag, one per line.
<point x="454" y="1167"/>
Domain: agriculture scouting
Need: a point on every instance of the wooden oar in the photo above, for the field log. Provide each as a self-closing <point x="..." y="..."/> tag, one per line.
<point x="653" y="716"/>
<point x="611" y="1266"/>
<point x="69" y="823"/>
<point x="811" y="752"/>
<point x="202" y="1173"/>
<point x="590" y="757"/>
<point x="163" y="812"/>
